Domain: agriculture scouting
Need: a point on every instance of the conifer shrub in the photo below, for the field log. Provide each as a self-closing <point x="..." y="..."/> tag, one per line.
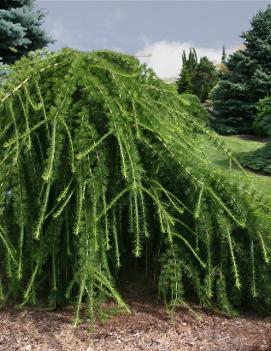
<point x="101" y="167"/>
<point x="260" y="159"/>
<point x="262" y="124"/>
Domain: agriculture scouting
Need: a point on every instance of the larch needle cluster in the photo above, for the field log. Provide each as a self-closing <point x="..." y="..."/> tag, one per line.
<point x="100" y="165"/>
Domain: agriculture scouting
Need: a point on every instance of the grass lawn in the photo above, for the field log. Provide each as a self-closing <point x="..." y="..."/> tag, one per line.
<point x="237" y="144"/>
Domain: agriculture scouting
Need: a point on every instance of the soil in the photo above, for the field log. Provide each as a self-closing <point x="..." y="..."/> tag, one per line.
<point x="149" y="327"/>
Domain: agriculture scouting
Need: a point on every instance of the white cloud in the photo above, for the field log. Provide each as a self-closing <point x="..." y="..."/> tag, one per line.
<point x="166" y="56"/>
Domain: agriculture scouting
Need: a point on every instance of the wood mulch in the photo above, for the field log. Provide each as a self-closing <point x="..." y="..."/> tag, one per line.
<point x="149" y="327"/>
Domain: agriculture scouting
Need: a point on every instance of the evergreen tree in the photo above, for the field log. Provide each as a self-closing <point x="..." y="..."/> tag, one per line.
<point x="20" y="29"/>
<point x="184" y="59"/>
<point x="184" y="82"/>
<point x="263" y="117"/>
<point x="204" y="79"/>
<point x="221" y="67"/>
<point x="246" y="79"/>
<point x="192" y="60"/>
<point x="196" y="77"/>
<point x="259" y="160"/>
<point x="224" y="55"/>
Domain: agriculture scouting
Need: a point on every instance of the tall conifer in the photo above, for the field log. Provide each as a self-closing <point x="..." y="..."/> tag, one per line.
<point x="246" y="79"/>
<point x="184" y="82"/>
<point x="224" y="55"/>
<point x="197" y="78"/>
<point x="204" y="78"/>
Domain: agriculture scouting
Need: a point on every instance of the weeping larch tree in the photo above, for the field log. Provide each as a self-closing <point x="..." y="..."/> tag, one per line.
<point x="100" y="166"/>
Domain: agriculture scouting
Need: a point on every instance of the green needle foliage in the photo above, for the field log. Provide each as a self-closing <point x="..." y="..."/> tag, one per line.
<point x="101" y="167"/>
<point x="260" y="160"/>
<point x="244" y="79"/>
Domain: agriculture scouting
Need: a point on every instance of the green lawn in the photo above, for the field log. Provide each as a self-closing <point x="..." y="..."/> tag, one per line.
<point x="236" y="144"/>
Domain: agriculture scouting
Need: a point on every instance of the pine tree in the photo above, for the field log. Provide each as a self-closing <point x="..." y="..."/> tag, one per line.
<point x="246" y="79"/>
<point x="20" y="29"/>
<point x="192" y="60"/>
<point x="224" y="55"/>
<point x="184" y="82"/>
<point x="197" y="78"/>
<point x="204" y="79"/>
<point x="184" y="59"/>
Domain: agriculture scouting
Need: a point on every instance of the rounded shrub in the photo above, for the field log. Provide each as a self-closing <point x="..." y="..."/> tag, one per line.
<point x="260" y="159"/>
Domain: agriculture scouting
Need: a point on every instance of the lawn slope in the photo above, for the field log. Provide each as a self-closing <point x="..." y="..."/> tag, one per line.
<point x="238" y="144"/>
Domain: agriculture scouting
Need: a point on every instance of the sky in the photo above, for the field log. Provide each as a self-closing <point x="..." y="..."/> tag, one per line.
<point x="160" y="30"/>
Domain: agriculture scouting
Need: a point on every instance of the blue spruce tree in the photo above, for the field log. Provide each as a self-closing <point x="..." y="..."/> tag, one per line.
<point x="20" y="29"/>
<point x="245" y="80"/>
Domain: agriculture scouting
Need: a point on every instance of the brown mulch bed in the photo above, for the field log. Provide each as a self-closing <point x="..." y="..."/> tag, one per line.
<point x="148" y="327"/>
